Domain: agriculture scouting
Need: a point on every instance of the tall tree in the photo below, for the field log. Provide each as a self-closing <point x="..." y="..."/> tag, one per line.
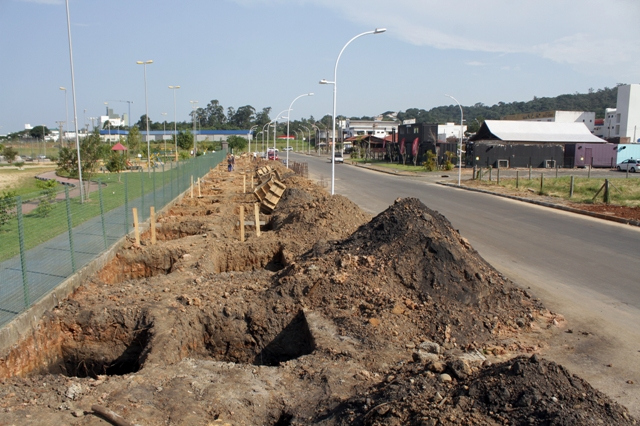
<point x="243" y="117"/>
<point x="90" y="154"/>
<point x="215" y="117"/>
<point x="39" y="132"/>
<point x="133" y="140"/>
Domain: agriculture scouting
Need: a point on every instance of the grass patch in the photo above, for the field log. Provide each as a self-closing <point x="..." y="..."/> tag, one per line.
<point x="391" y="166"/>
<point x="39" y="229"/>
<point x="624" y="192"/>
<point x="21" y="181"/>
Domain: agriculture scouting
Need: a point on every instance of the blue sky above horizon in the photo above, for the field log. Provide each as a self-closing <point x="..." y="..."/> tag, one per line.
<point x="265" y="53"/>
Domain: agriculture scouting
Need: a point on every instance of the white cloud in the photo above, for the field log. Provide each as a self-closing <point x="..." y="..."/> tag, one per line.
<point x="475" y="64"/>
<point x="43" y="1"/>
<point x="575" y="32"/>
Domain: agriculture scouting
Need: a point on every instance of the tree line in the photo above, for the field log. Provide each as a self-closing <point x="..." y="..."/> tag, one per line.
<point x="214" y="116"/>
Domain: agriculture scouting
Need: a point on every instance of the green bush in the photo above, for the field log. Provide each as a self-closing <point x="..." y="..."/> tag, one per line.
<point x="7" y="204"/>
<point x="430" y="165"/>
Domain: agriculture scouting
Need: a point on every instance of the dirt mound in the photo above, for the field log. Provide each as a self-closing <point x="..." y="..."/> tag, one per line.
<point x="329" y="317"/>
<point x="522" y="391"/>
<point x="407" y="276"/>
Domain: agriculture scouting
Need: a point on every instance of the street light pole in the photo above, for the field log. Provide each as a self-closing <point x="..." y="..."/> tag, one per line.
<point x="195" y="141"/>
<point x="267" y="126"/>
<point x="289" y="119"/>
<point x="251" y="135"/>
<point x="309" y="141"/>
<point x="175" y="122"/>
<point x="73" y="93"/>
<point x="164" y="133"/>
<point x="460" y="141"/>
<point x="335" y="94"/>
<point x="66" y="109"/>
<point x="146" y="106"/>
<point x="108" y="120"/>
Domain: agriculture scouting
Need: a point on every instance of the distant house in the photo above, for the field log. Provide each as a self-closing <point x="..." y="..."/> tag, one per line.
<point x="503" y="143"/>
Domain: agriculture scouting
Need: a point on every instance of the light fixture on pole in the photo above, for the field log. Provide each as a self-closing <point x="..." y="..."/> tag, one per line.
<point x="193" y="114"/>
<point x="175" y="122"/>
<point x="66" y="109"/>
<point x="335" y="91"/>
<point x="146" y="107"/>
<point x="460" y="140"/>
<point x="288" y="120"/>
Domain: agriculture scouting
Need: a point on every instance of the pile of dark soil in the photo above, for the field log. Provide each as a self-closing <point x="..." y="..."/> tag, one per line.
<point x="408" y="276"/>
<point x="521" y="391"/>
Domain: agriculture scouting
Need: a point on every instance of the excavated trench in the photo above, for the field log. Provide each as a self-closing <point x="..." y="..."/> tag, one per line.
<point x="81" y="359"/>
<point x="238" y="340"/>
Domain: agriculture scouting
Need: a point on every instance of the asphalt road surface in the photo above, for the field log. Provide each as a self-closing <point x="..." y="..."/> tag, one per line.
<point x="584" y="268"/>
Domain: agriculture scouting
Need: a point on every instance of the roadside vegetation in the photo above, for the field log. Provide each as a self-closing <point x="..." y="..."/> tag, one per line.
<point x="622" y="191"/>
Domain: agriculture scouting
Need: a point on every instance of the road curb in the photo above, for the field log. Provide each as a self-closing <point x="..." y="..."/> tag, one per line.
<point x="549" y="205"/>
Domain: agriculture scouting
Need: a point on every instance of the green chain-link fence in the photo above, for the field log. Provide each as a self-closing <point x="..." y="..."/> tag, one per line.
<point x="44" y="240"/>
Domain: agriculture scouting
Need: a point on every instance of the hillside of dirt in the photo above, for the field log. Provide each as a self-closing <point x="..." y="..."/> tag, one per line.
<point x="328" y="317"/>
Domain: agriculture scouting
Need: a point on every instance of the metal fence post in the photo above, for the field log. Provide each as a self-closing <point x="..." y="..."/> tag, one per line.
<point x="155" y="206"/>
<point x="104" y="229"/>
<point x="70" y="227"/>
<point x="571" y="187"/>
<point x="164" y="198"/>
<point x="517" y="179"/>
<point x="141" y="196"/>
<point x="126" y="203"/>
<point x="23" y="254"/>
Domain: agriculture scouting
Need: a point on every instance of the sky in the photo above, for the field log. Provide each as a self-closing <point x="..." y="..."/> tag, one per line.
<point x="265" y="53"/>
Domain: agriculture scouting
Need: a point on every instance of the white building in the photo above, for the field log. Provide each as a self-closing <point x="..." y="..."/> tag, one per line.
<point x="449" y="130"/>
<point x="377" y="128"/>
<point x="624" y="121"/>
<point x="588" y="118"/>
<point x="114" y="120"/>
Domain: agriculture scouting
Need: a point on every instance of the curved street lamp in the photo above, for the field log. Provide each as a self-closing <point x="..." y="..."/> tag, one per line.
<point x="460" y="140"/>
<point x="335" y="90"/>
<point x="288" y="120"/>
<point x="309" y="141"/>
<point x="146" y="103"/>
<point x="255" y="126"/>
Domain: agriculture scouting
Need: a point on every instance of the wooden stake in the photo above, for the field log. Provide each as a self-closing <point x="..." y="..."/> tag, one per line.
<point x="242" y="224"/>
<point x="135" y="225"/>
<point x="256" y="213"/>
<point x="199" y="192"/>
<point x="152" y="219"/>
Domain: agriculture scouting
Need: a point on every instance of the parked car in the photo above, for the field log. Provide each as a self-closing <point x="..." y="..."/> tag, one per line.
<point x="630" y="164"/>
<point x="338" y="158"/>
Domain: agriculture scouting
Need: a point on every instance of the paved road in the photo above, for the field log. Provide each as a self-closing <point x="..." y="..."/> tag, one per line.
<point x="584" y="268"/>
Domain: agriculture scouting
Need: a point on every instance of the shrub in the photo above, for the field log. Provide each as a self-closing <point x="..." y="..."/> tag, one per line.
<point x="7" y="206"/>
